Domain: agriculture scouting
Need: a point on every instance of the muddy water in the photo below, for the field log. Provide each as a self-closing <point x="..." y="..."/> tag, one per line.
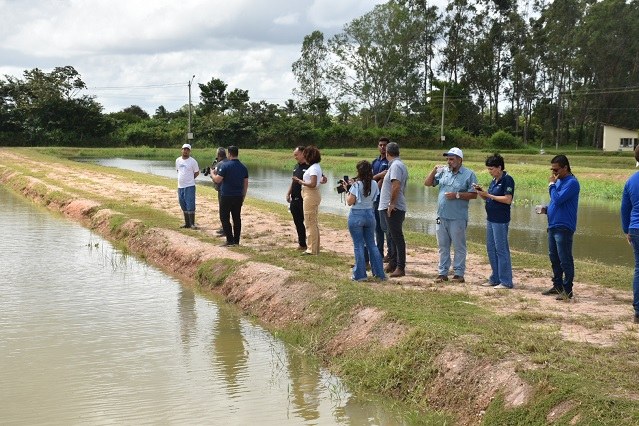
<point x="91" y="336"/>
<point x="598" y="235"/>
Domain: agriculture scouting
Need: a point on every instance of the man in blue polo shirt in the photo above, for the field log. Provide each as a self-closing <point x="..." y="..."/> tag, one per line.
<point x="232" y="176"/>
<point x="380" y="166"/>
<point x="455" y="190"/>
<point x="563" y="188"/>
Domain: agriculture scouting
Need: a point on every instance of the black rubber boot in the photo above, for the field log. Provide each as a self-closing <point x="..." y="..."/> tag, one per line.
<point x="192" y="220"/>
<point x="187" y="221"/>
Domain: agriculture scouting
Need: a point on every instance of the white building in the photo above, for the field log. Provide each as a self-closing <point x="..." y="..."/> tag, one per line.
<point x="619" y="139"/>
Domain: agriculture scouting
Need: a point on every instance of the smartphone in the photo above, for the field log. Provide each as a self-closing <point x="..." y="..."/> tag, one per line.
<point x="346" y="178"/>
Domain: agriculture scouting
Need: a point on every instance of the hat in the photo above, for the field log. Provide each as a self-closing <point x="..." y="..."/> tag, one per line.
<point x="187" y="146"/>
<point x="454" y="151"/>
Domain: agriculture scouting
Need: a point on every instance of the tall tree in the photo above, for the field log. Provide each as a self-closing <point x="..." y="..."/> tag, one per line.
<point x="458" y="35"/>
<point x="379" y="69"/>
<point x="213" y="96"/>
<point x="46" y="108"/>
<point x="606" y="87"/>
<point x="237" y="100"/>
<point x="312" y="68"/>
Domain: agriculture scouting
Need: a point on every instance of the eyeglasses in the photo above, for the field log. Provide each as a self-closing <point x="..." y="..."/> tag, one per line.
<point x="555" y="170"/>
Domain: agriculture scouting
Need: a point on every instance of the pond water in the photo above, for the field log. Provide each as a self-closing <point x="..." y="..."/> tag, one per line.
<point x="598" y="235"/>
<point x="89" y="335"/>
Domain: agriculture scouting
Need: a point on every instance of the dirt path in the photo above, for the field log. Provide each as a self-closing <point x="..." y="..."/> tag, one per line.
<point x="596" y="315"/>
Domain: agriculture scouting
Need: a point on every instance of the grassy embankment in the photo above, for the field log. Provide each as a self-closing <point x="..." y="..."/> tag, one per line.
<point x="600" y="381"/>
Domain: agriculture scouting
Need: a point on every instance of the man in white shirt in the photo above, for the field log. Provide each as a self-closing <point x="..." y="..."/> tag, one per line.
<point x="187" y="170"/>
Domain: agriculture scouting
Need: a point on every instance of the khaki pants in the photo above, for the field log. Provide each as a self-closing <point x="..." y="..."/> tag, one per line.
<point x="312" y="199"/>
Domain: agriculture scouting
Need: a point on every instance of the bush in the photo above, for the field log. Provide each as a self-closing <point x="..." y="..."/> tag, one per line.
<point x="461" y="139"/>
<point x="504" y="140"/>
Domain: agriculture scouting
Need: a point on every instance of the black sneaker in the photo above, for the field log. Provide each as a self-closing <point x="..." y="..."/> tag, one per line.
<point x="458" y="279"/>
<point x="564" y="296"/>
<point x="551" y="291"/>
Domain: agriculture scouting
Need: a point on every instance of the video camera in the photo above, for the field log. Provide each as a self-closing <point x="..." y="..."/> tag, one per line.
<point x="207" y="170"/>
<point x="340" y="185"/>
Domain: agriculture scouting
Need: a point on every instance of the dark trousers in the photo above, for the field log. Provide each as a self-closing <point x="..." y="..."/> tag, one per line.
<point x="397" y="245"/>
<point x="231" y="206"/>
<point x="297" y="211"/>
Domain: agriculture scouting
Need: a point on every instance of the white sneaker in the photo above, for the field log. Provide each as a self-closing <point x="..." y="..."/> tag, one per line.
<point x="501" y="287"/>
<point x="488" y="284"/>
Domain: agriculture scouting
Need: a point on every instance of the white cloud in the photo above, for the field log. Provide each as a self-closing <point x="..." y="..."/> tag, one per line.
<point x="144" y="52"/>
<point x="290" y="19"/>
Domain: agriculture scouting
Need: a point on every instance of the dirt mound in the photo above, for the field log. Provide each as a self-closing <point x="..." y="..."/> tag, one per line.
<point x="466" y="385"/>
<point x="367" y="327"/>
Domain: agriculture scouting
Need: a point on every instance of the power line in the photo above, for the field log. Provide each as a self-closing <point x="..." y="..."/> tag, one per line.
<point x="148" y="86"/>
<point x="602" y="91"/>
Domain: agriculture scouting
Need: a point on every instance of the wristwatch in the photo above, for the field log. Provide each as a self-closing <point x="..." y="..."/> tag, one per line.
<point x="457" y="195"/>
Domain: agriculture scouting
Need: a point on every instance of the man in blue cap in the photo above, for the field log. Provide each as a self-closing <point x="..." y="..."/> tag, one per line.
<point x="455" y="190"/>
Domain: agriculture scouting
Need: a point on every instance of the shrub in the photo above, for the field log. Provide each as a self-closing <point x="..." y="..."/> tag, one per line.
<point x="504" y="140"/>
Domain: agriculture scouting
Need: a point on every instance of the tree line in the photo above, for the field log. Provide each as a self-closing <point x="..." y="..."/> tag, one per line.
<point x="506" y="72"/>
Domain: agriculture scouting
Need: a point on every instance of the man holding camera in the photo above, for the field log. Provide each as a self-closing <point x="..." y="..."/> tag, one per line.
<point x="392" y="210"/>
<point x="232" y="176"/>
<point x="187" y="170"/>
<point x="220" y="157"/>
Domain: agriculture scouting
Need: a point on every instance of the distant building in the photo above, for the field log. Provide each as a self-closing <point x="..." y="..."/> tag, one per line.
<point x="619" y="139"/>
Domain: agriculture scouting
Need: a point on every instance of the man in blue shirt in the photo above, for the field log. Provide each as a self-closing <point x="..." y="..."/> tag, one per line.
<point x="630" y="226"/>
<point x="455" y="190"/>
<point x="232" y="176"/>
<point x="380" y="166"/>
<point x="563" y="188"/>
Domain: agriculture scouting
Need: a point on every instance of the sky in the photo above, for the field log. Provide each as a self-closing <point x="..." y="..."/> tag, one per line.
<point x="142" y="52"/>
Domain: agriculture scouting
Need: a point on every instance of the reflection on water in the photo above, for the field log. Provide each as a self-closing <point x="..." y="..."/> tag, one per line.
<point x="228" y="349"/>
<point x="91" y="336"/>
<point x="598" y="234"/>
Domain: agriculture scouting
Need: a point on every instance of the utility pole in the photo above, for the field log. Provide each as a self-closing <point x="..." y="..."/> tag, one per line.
<point x="442" y="137"/>
<point x="189" y="135"/>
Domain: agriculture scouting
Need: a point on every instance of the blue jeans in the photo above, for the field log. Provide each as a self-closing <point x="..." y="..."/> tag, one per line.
<point x="634" y="240"/>
<point x="560" y="253"/>
<point x="452" y="232"/>
<point x="499" y="253"/>
<point x="186" y="198"/>
<point x="361" y="224"/>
